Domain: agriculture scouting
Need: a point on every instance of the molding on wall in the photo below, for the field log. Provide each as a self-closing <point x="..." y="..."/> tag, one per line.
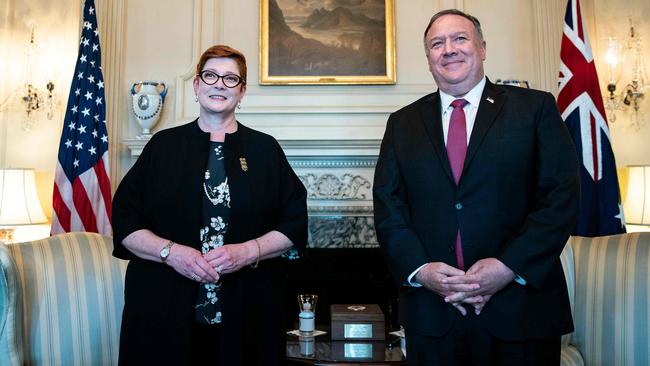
<point x="332" y="101"/>
<point x="548" y="18"/>
<point x="331" y="144"/>
<point x="311" y="153"/>
<point x="591" y="18"/>
<point x="320" y="102"/>
<point x="134" y="146"/>
<point x="325" y="153"/>
<point x="207" y="31"/>
<point x="326" y="210"/>
<point x="307" y="101"/>
<point x="218" y="23"/>
<point x="449" y="4"/>
<point x="7" y="22"/>
<point x="180" y="94"/>
<point x="311" y="162"/>
<point x="211" y="25"/>
<point x="112" y="20"/>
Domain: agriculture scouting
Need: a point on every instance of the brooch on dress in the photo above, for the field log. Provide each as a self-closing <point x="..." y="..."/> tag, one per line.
<point x="243" y="164"/>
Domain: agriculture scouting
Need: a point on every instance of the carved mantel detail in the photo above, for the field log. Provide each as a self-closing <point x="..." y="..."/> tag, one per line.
<point x="331" y="187"/>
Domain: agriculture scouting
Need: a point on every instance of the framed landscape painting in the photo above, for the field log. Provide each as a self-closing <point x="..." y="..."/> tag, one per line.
<point x="327" y="42"/>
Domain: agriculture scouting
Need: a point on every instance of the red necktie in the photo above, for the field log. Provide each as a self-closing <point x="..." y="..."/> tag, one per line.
<point x="456" y="151"/>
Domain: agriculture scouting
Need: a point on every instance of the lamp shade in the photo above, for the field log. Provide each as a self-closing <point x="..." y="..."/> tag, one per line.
<point x="19" y="203"/>
<point x="637" y="199"/>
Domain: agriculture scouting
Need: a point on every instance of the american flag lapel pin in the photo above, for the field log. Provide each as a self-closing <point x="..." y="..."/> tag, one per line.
<point x="490" y="100"/>
<point x="243" y="164"/>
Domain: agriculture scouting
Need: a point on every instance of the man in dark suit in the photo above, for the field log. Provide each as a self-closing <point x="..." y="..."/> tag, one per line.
<point x="476" y="192"/>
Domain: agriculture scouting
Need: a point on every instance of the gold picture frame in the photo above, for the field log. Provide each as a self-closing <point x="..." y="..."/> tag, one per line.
<point x="303" y="44"/>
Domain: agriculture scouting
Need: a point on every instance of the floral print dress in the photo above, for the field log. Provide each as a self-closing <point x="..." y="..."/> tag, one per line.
<point x="215" y="216"/>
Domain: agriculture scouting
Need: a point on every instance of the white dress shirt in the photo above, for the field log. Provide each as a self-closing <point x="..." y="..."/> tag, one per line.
<point x="473" y="98"/>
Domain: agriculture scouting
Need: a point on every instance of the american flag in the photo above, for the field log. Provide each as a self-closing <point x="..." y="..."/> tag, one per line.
<point x="82" y="190"/>
<point x="581" y="105"/>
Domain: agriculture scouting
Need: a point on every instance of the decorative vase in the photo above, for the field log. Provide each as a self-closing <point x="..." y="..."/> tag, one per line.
<point x="148" y="99"/>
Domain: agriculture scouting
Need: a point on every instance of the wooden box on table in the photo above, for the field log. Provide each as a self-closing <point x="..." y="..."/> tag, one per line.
<point x="363" y="322"/>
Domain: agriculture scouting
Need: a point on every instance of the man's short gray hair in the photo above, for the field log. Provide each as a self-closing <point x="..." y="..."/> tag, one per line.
<point x="471" y="18"/>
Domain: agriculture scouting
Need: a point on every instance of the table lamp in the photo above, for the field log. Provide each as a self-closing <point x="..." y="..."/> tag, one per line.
<point x="19" y="203"/>
<point x="637" y="199"/>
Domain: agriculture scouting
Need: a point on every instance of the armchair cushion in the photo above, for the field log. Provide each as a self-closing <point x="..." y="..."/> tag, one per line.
<point x="10" y="339"/>
<point x="571" y="356"/>
<point x="64" y="300"/>
<point x="568" y="265"/>
<point x="612" y="299"/>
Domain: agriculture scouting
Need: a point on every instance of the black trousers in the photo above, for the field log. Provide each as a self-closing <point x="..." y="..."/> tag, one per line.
<point x="205" y="344"/>
<point x="469" y="343"/>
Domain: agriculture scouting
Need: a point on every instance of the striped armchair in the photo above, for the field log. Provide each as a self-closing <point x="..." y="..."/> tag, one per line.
<point x="61" y="301"/>
<point x="609" y="287"/>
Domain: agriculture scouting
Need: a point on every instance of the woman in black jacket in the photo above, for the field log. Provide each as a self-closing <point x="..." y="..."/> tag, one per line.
<point x="204" y="216"/>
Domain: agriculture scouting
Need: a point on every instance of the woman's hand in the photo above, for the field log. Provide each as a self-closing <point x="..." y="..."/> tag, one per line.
<point x="190" y="263"/>
<point x="232" y="257"/>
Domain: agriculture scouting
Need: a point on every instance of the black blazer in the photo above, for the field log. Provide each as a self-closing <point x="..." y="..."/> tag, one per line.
<point x="517" y="201"/>
<point x="162" y="192"/>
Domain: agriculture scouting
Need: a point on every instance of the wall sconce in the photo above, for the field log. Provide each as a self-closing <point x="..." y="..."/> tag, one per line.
<point x="617" y="57"/>
<point x="33" y="98"/>
<point x="19" y="204"/>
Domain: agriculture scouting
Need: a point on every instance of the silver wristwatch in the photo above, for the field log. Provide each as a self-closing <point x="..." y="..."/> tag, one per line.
<point x="164" y="252"/>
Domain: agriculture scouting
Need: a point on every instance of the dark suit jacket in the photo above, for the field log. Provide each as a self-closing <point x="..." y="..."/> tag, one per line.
<point x="517" y="201"/>
<point x="162" y="192"/>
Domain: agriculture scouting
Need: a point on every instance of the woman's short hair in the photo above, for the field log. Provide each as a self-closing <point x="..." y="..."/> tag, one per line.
<point x="221" y="50"/>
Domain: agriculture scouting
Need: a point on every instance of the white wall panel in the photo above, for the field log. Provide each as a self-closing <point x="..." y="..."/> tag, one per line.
<point x="162" y="39"/>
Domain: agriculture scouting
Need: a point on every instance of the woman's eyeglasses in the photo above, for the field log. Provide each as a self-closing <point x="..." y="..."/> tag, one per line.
<point x="230" y="80"/>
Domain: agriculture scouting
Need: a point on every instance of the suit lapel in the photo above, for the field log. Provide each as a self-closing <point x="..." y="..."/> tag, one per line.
<point x="431" y="118"/>
<point x="491" y="103"/>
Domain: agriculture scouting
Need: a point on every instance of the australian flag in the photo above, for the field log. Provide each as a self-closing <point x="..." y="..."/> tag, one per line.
<point x="581" y="105"/>
<point x="82" y="190"/>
